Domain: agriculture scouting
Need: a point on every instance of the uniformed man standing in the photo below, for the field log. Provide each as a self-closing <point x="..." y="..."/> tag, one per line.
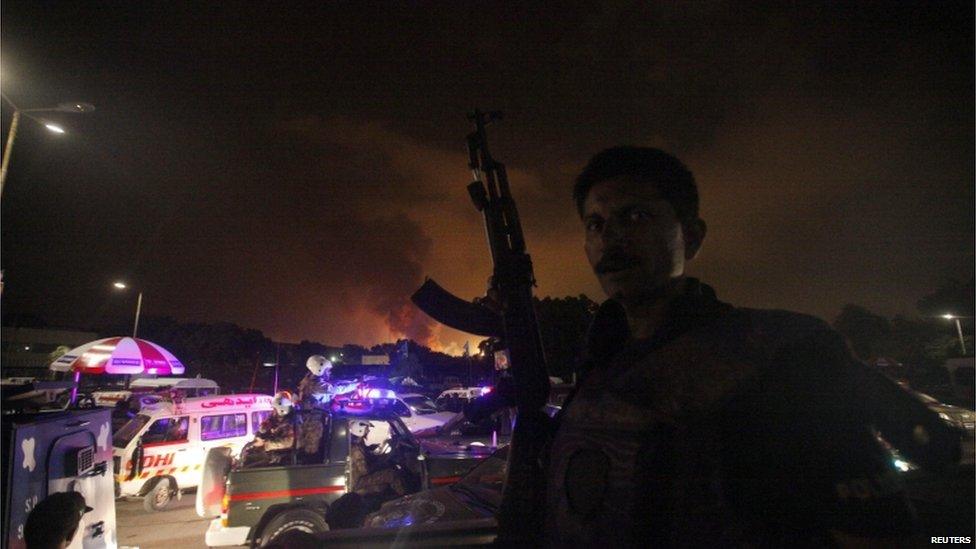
<point x="315" y="389"/>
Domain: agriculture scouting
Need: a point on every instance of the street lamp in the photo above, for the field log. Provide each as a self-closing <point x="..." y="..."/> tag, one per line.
<point x="135" y="327"/>
<point x="15" y="119"/>
<point x="962" y="342"/>
<point x="275" y="366"/>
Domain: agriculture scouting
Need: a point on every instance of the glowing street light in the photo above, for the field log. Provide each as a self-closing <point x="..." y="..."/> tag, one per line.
<point x="962" y="341"/>
<point x="119" y="285"/>
<point x="75" y="107"/>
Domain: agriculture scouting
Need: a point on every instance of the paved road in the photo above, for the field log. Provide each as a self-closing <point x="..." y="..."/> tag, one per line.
<point x="944" y="504"/>
<point x="176" y="527"/>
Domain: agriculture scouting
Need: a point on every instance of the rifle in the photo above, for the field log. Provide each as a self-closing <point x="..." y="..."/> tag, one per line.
<point x="513" y="319"/>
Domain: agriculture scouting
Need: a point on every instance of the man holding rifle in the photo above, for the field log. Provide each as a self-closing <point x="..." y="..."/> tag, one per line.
<point x="696" y="422"/>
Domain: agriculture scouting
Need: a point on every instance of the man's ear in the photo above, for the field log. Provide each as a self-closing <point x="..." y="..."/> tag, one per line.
<point x="694" y="233"/>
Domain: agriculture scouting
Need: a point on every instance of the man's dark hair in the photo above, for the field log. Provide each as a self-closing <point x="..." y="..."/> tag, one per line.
<point x="647" y="165"/>
<point x="54" y="519"/>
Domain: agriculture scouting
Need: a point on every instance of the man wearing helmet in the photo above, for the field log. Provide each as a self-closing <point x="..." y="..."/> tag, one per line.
<point x="314" y="389"/>
<point x="372" y="474"/>
<point x="276" y="435"/>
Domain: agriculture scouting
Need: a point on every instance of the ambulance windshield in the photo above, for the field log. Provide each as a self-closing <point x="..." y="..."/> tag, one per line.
<point x="121" y="438"/>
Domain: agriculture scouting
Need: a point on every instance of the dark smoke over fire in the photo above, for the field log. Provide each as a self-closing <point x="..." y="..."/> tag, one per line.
<point x="405" y="319"/>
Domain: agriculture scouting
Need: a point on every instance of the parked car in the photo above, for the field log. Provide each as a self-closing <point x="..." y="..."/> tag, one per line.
<point x="419" y="404"/>
<point x="453" y="400"/>
<point x="415" y="410"/>
<point x="954" y="415"/>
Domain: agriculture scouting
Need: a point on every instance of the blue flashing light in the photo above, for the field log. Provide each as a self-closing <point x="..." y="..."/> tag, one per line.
<point x="364" y="401"/>
<point x="378" y="393"/>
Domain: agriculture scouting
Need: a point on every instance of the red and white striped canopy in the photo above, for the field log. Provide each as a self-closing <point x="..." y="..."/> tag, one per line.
<point x="119" y="355"/>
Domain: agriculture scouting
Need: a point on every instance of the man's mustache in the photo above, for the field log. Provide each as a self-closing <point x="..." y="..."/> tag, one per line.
<point x="615" y="261"/>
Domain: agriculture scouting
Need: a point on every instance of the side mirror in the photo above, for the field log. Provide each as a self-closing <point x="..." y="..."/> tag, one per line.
<point x="136" y="460"/>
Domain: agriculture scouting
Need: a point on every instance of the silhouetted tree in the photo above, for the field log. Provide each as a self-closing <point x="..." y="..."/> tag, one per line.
<point x="952" y="297"/>
<point x="868" y="333"/>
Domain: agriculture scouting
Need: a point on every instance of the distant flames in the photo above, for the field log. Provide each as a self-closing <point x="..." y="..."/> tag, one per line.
<point x="406" y="320"/>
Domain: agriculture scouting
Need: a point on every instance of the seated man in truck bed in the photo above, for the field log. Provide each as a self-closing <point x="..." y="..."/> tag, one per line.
<point x="372" y="474"/>
<point x="274" y="443"/>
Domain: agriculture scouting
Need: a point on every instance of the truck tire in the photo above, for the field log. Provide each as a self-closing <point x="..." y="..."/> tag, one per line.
<point x="303" y="520"/>
<point x="213" y="482"/>
<point x="160" y="495"/>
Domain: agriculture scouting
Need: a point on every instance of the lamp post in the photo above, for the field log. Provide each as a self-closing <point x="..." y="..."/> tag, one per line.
<point x="275" y="366"/>
<point x="135" y="327"/>
<point x="962" y="341"/>
<point x="15" y="121"/>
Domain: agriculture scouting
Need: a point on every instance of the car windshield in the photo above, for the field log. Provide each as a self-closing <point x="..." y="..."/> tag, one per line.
<point x="121" y="438"/>
<point x="926" y="398"/>
<point x="420" y="404"/>
<point x="103" y="382"/>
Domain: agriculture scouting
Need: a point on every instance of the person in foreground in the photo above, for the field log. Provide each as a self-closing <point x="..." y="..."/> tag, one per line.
<point x="53" y="523"/>
<point x="697" y="422"/>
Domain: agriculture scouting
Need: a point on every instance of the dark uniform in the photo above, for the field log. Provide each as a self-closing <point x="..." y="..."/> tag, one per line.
<point x="728" y="427"/>
<point x="278" y="434"/>
<point x="371" y="476"/>
<point x="310" y="433"/>
<point x="312" y="389"/>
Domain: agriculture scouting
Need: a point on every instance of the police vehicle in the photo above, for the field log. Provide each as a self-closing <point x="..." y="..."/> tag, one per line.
<point x="257" y="505"/>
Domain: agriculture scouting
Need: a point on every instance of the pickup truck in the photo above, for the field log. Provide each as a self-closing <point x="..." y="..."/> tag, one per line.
<point x="257" y="505"/>
<point x="462" y="514"/>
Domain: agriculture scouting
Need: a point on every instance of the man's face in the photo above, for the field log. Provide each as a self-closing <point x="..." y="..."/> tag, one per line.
<point x="634" y="241"/>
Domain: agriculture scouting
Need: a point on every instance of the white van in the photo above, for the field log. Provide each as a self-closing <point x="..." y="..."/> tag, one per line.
<point x="151" y="387"/>
<point x="170" y="441"/>
<point x="453" y="400"/>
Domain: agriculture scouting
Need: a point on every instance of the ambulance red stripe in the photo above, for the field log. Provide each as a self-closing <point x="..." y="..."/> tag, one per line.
<point x="168" y="443"/>
<point x="286" y="493"/>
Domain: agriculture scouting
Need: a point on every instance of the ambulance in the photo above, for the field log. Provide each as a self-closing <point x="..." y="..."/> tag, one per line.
<point x="159" y="453"/>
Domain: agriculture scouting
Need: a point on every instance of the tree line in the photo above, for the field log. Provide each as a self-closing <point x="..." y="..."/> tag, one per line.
<point x="920" y="344"/>
<point x="236" y="356"/>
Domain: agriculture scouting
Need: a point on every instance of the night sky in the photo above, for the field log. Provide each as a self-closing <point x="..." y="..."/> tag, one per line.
<point x="299" y="169"/>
